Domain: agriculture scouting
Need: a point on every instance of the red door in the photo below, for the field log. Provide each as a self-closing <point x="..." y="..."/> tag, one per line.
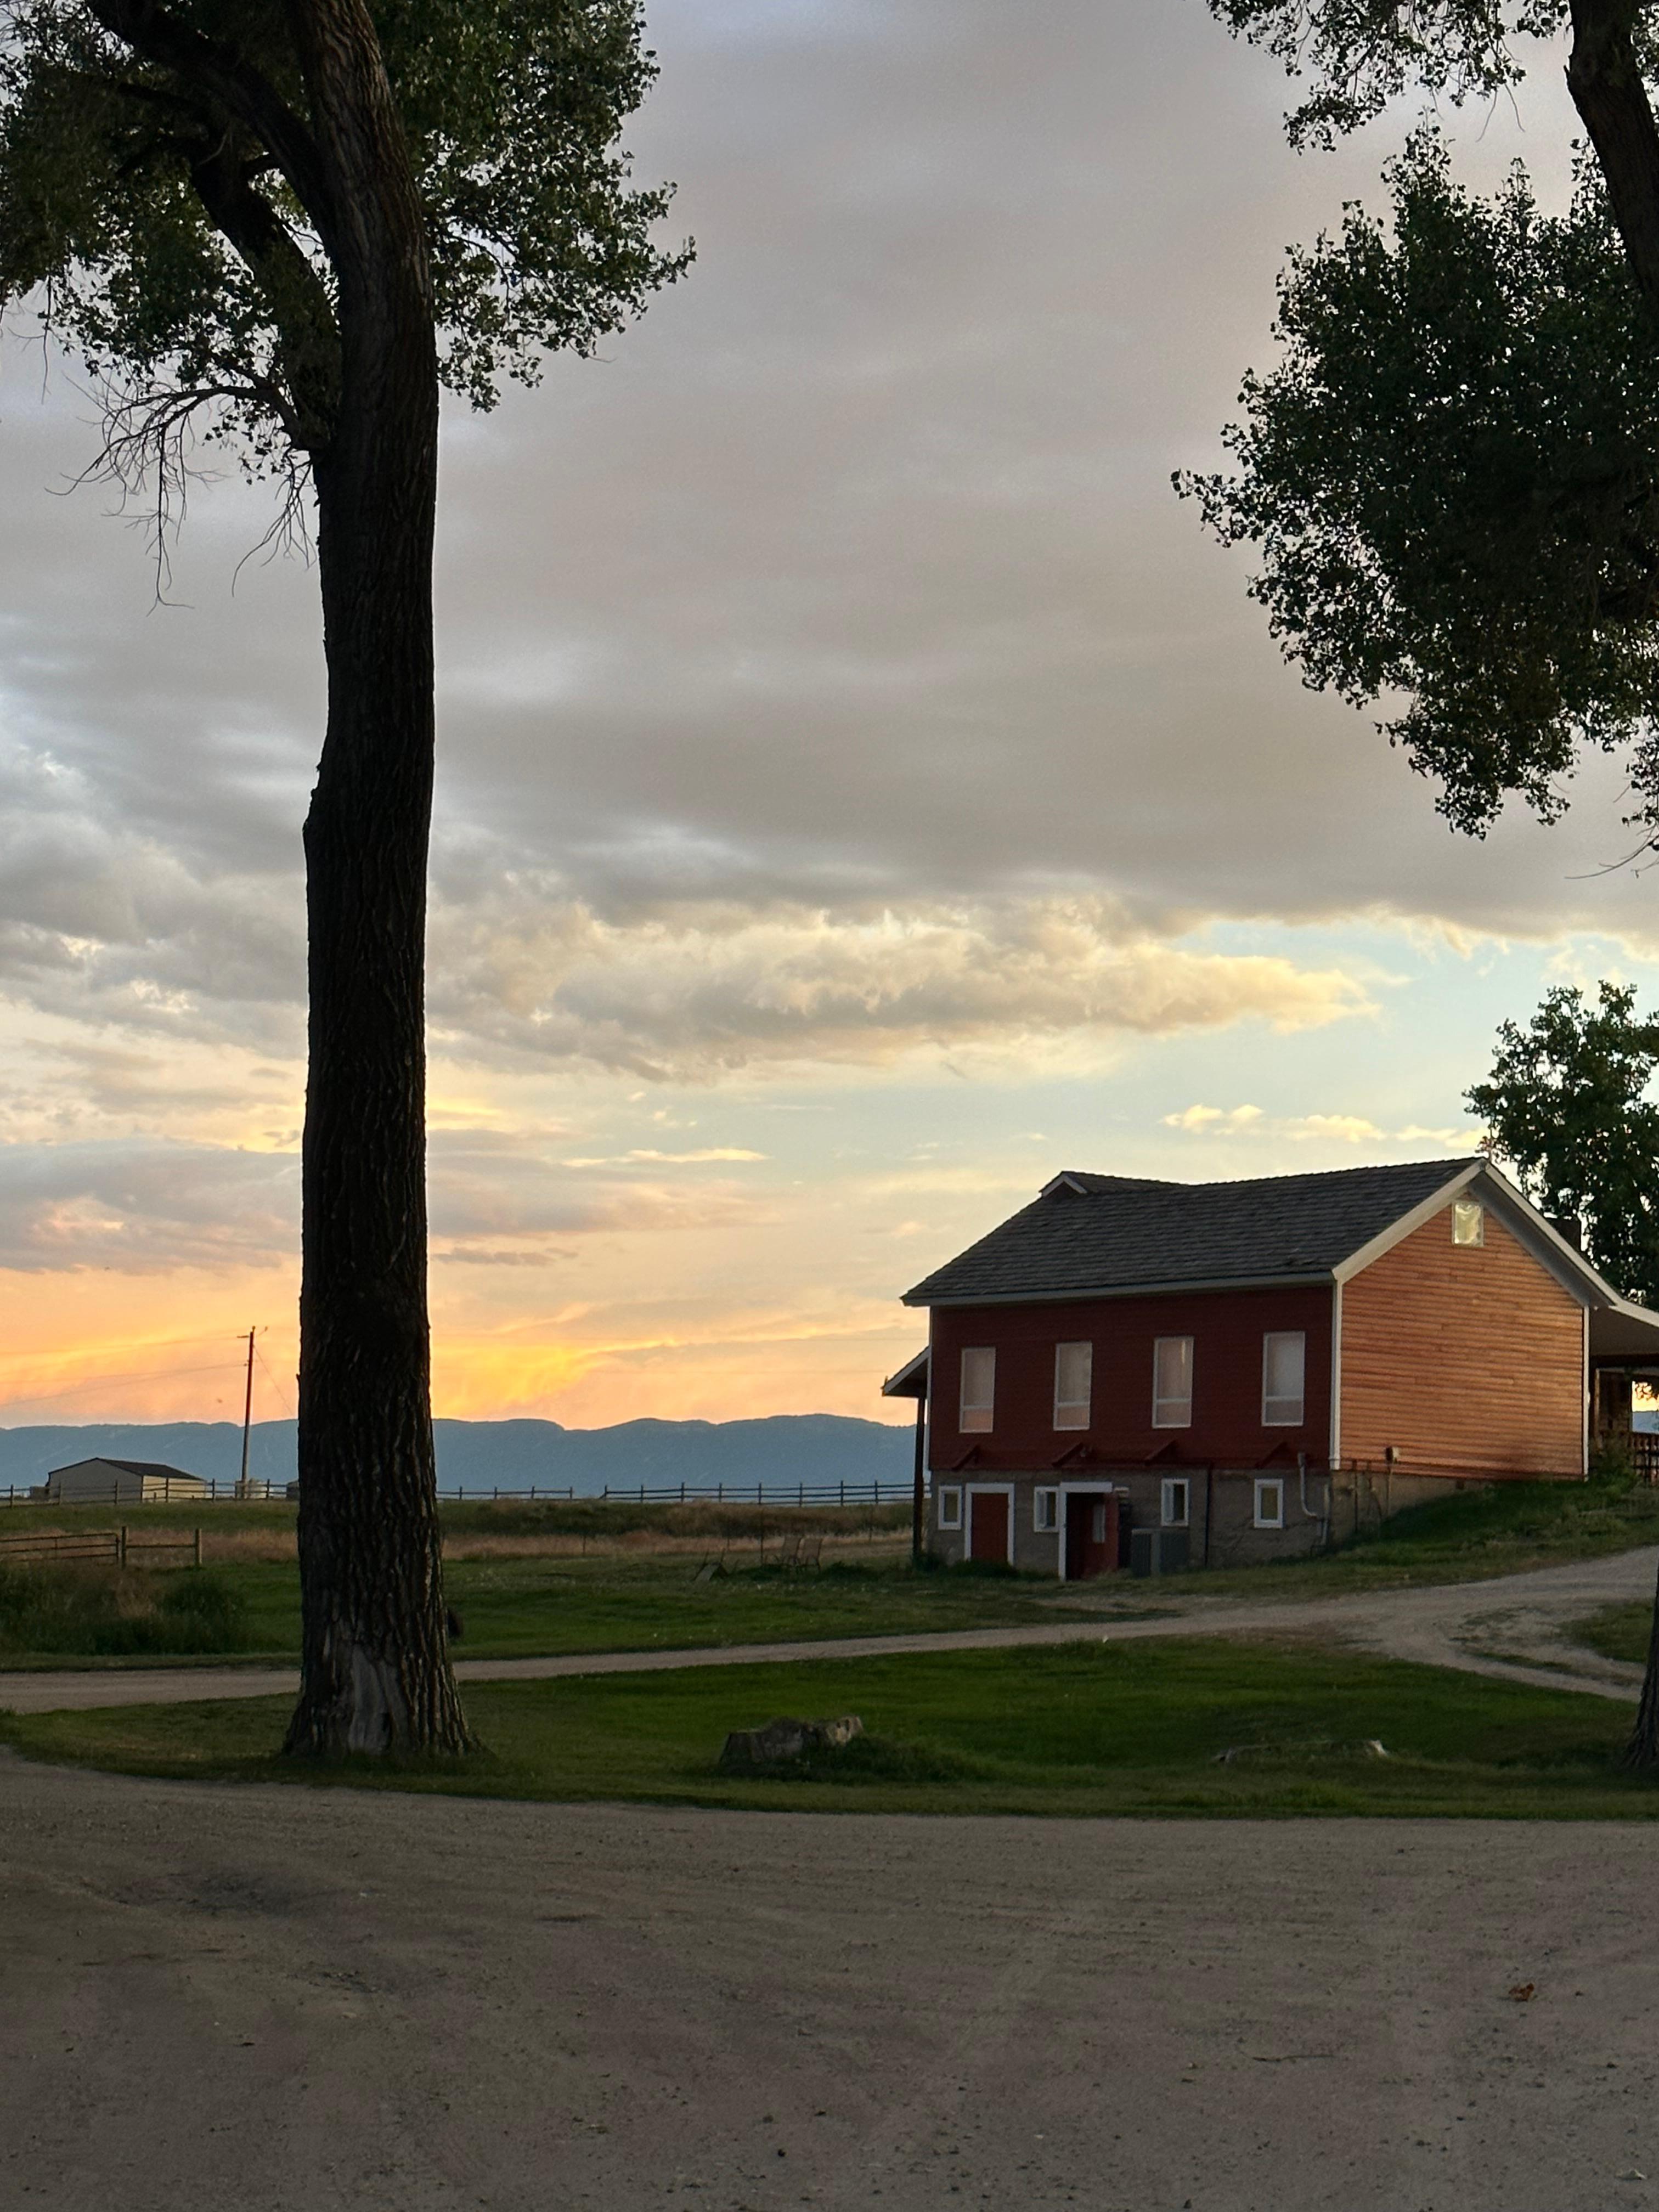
<point x="987" y="1525"/>
<point x="1091" y="1534"/>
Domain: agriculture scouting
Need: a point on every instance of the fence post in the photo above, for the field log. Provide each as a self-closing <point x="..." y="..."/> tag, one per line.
<point x="199" y="1544"/>
<point x="121" y="1546"/>
<point x="682" y="1493"/>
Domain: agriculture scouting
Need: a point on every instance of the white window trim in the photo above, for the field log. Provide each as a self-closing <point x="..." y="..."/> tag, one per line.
<point x="950" y="1506"/>
<point x="1263" y="1484"/>
<point x="1095" y="1489"/>
<point x="1082" y="1407"/>
<point x="1171" y="1482"/>
<point x="1045" y="1509"/>
<point x="972" y="1489"/>
<point x="988" y="1406"/>
<point x="1283" y="1421"/>
<point x="1163" y="1421"/>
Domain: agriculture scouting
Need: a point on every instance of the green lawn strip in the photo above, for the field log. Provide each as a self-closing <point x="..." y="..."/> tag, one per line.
<point x="1617" y="1631"/>
<point x="525" y="1605"/>
<point x="1082" y="1728"/>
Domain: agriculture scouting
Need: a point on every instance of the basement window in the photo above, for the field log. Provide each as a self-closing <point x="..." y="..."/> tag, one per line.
<point x="1468" y="1222"/>
<point x="979" y="1386"/>
<point x="950" y="1509"/>
<point x="1073" y="1373"/>
<point x="1045" y="1511"/>
<point x="1270" y="1502"/>
<point x="1176" y="1501"/>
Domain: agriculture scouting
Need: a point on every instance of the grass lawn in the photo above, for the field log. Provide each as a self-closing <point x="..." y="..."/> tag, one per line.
<point x="513" y="1607"/>
<point x="1075" y="1729"/>
<point x="520" y="1586"/>
<point x="1619" y="1631"/>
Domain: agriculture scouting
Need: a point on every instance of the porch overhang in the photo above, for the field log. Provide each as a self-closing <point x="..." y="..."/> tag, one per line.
<point x="1624" y="1334"/>
<point x="911" y="1380"/>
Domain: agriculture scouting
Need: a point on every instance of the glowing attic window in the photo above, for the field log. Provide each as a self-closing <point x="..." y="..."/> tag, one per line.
<point x="1468" y="1222"/>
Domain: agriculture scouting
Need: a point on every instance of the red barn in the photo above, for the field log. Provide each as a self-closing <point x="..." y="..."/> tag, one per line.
<point x="1216" y="1372"/>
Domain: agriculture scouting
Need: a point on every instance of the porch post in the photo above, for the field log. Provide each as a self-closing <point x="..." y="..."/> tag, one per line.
<point x="920" y="1480"/>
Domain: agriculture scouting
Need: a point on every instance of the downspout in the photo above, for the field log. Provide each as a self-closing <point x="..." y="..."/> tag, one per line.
<point x="1209" y="1507"/>
<point x="1307" y="1513"/>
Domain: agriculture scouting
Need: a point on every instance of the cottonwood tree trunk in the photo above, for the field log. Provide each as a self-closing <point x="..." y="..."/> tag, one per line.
<point x="375" y="1669"/>
<point x="1643" y="1749"/>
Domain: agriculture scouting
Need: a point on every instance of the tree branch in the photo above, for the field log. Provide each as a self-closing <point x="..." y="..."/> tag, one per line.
<point x="235" y="85"/>
<point x="1605" y="83"/>
<point x="307" y="338"/>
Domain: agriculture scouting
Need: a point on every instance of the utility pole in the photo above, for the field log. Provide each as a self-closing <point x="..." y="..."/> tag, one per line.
<point x="247" y="1417"/>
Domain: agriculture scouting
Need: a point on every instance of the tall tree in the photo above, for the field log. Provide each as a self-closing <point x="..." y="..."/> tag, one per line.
<point x="1452" y="474"/>
<point x="284" y="223"/>
<point x="1568" y="1107"/>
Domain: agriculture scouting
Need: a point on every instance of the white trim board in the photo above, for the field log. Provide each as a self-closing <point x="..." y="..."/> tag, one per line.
<point x="968" y="1491"/>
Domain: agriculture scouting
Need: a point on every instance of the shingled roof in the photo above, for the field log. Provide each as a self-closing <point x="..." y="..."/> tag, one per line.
<point x="1094" y="1235"/>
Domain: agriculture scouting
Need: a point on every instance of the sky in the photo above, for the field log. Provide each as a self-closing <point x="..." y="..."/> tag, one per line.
<point x="863" y="790"/>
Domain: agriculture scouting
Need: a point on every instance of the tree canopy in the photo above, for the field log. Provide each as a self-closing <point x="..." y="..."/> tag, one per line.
<point x="162" y="200"/>
<point x="1452" y="475"/>
<point x="1568" y="1108"/>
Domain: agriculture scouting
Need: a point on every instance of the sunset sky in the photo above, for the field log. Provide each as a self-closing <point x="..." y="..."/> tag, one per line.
<point x="863" y="790"/>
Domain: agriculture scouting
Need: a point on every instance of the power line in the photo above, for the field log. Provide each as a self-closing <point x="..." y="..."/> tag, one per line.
<point x="153" y="1375"/>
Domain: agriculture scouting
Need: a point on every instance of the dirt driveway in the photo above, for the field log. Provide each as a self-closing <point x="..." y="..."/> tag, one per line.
<point x="1511" y="1626"/>
<point x="286" y="2001"/>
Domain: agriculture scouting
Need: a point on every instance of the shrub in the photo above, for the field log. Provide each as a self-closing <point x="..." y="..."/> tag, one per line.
<point x="100" y="1614"/>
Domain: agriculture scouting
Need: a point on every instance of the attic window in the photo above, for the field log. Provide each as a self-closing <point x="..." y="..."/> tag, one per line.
<point x="1468" y="1222"/>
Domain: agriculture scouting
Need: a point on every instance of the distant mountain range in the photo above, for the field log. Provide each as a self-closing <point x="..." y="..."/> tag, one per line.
<point x="484" y="1455"/>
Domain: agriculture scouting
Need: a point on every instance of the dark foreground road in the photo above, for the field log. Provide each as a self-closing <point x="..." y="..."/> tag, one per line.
<point x="268" y="2000"/>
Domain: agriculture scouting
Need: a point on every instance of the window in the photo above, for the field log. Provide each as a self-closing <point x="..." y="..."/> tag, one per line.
<point x="950" y="1509"/>
<point x="1284" y="1362"/>
<point x="1177" y="1497"/>
<point x="1074" y="1368"/>
<point x="979" y="1383"/>
<point x="1045" y="1511"/>
<point x="1468" y="1222"/>
<point x="1269" y="1502"/>
<point x="1172" y="1382"/>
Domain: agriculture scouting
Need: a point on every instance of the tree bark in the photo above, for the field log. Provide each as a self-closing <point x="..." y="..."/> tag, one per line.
<point x="375" y="1674"/>
<point x="1642" y="1749"/>
<point x="1605" y="83"/>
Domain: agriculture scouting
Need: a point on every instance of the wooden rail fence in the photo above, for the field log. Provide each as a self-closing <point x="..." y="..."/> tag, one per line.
<point x="115" y="1547"/>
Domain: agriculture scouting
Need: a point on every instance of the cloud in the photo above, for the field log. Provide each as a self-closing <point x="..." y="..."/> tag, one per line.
<point x="145" y="1207"/>
<point x="666" y="1159"/>
<point x="703" y="988"/>
<point x="1201" y="1121"/>
<point x="1212" y="1120"/>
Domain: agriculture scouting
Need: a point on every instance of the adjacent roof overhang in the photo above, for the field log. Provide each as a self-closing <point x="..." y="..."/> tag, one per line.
<point x="911" y="1380"/>
<point x="1624" y="1332"/>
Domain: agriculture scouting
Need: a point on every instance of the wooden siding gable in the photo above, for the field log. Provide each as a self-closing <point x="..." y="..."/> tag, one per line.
<point x="1462" y="1358"/>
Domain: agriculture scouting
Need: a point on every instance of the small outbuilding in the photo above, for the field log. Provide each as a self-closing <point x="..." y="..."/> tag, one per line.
<point x="121" y="1482"/>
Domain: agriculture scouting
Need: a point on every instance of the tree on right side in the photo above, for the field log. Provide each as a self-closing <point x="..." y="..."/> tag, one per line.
<point x="1567" y="1108"/>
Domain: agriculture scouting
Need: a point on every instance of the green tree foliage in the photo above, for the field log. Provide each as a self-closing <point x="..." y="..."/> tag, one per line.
<point x="1452" y="474"/>
<point x="1568" y="1108"/>
<point x="163" y="207"/>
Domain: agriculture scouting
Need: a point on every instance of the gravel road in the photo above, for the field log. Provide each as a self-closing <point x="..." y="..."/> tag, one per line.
<point x="1509" y="1627"/>
<point x="290" y="2000"/>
